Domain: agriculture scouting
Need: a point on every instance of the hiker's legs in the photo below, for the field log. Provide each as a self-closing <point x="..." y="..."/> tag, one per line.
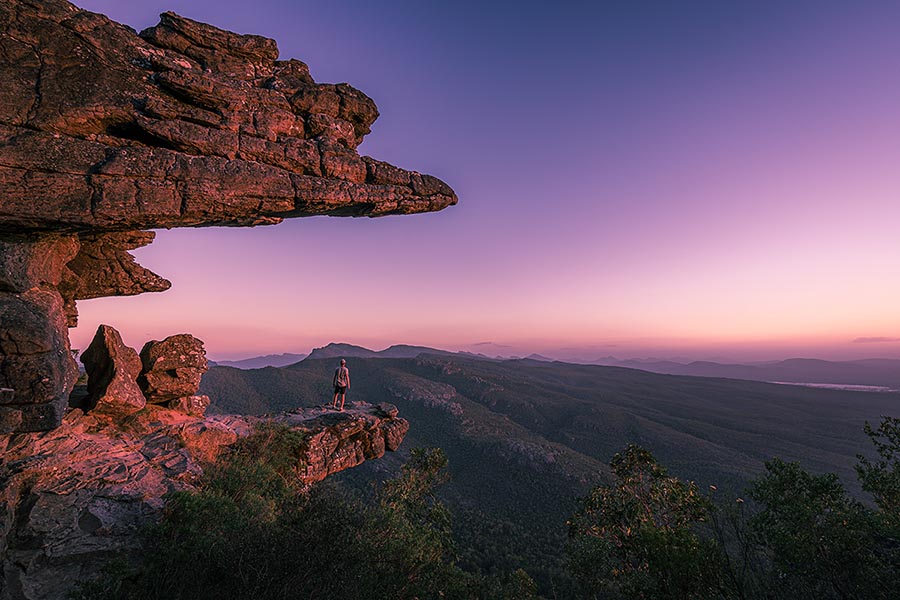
<point x="343" y="396"/>
<point x="334" y="402"/>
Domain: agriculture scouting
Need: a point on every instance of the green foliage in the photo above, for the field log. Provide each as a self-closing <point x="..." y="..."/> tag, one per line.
<point x="109" y="585"/>
<point x="638" y="537"/>
<point x="411" y="521"/>
<point x="253" y="532"/>
<point x="882" y="477"/>
<point x="821" y="542"/>
<point x="650" y="535"/>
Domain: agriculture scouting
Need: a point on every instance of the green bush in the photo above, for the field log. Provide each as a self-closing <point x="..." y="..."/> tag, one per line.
<point x="252" y="531"/>
<point x="638" y="537"/>
<point x="650" y="535"/>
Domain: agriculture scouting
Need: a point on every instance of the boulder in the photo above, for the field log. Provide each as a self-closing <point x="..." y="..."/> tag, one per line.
<point x="35" y="360"/>
<point x="172" y="368"/>
<point x="112" y="370"/>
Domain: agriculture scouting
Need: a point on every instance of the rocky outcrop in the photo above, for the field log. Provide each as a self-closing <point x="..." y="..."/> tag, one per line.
<point x="105" y="133"/>
<point x="339" y="440"/>
<point x="35" y="360"/>
<point x="103" y="267"/>
<point x="112" y="369"/>
<point x="73" y="498"/>
<point x="120" y="382"/>
<point x="183" y="125"/>
<point x="172" y="368"/>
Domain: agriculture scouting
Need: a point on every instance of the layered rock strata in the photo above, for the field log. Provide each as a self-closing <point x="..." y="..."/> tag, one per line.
<point x="105" y="133"/>
<point x="35" y="360"/>
<point x="73" y="498"/>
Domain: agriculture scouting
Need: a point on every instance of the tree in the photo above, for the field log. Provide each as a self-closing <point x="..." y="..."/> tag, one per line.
<point x="882" y="477"/>
<point x="638" y="538"/>
<point x="821" y="542"/>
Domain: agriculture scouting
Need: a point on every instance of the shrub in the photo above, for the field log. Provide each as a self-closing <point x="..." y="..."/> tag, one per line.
<point x="801" y="536"/>
<point x="252" y="531"/>
<point x="637" y="538"/>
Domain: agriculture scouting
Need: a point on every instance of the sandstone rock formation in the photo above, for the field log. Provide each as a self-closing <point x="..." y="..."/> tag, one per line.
<point x="105" y="133"/>
<point x="339" y="440"/>
<point x="120" y="382"/>
<point x="74" y="497"/>
<point x="172" y="368"/>
<point x="35" y="361"/>
<point x="112" y="369"/>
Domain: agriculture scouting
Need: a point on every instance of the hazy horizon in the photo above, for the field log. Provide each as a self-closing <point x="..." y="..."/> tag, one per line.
<point x="633" y="180"/>
<point x="584" y="354"/>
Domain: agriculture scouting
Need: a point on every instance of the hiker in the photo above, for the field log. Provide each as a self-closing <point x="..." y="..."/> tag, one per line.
<point x="341" y="384"/>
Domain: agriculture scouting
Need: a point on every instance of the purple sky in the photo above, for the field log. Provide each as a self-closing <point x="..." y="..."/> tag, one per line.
<point x="701" y="179"/>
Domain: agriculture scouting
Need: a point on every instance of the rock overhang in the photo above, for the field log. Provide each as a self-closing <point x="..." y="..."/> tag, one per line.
<point x="106" y="132"/>
<point x="182" y="125"/>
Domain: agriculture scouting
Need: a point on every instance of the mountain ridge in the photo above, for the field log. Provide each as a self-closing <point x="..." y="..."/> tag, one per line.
<point x="877" y="372"/>
<point x="259" y="362"/>
<point x="344" y="350"/>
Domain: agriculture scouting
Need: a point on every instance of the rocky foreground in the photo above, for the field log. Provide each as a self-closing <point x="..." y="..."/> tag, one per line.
<point x="73" y="498"/>
<point x="106" y="133"/>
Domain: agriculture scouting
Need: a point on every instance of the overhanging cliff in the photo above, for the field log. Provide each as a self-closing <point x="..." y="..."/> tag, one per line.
<point x="105" y="133"/>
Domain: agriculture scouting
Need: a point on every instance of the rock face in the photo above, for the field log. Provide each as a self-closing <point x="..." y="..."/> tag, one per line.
<point x="191" y="405"/>
<point x="172" y="368"/>
<point x="339" y="440"/>
<point x="35" y="360"/>
<point x="105" y="133"/>
<point x="74" y="497"/>
<point x="112" y="369"/>
<point x="182" y="125"/>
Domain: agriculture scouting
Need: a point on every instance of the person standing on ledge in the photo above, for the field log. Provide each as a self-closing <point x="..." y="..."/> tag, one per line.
<point x="341" y="384"/>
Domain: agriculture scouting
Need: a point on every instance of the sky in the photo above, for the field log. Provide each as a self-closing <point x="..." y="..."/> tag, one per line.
<point x="716" y="180"/>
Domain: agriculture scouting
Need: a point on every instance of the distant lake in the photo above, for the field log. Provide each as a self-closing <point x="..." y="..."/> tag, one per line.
<point x="840" y="386"/>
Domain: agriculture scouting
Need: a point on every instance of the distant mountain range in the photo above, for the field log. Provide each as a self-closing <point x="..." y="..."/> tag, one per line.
<point x="526" y="437"/>
<point x="340" y="350"/>
<point x="259" y="362"/>
<point x="884" y="372"/>
<point x="874" y="372"/>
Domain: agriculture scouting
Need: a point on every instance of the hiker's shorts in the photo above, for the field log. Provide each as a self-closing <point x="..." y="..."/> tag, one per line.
<point x="340" y="389"/>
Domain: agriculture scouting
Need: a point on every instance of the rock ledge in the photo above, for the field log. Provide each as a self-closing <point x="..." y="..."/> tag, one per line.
<point x="74" y="497"/>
